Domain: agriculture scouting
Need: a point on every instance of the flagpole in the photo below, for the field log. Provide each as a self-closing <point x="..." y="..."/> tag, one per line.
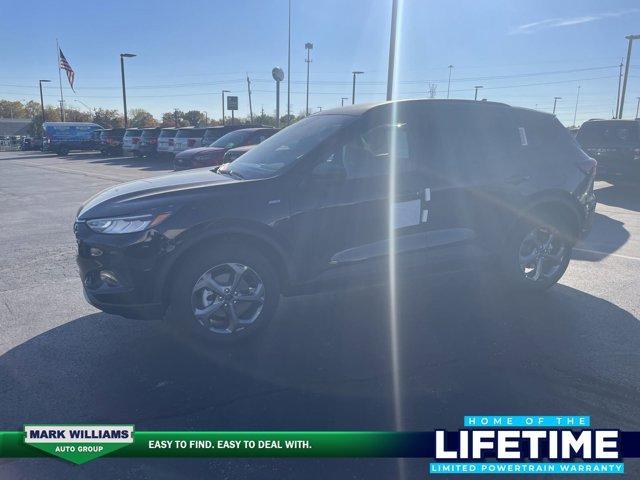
<point x="60" y="79"/>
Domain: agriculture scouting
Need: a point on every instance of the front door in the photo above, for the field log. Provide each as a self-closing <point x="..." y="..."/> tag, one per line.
<point x="347" y="207"/>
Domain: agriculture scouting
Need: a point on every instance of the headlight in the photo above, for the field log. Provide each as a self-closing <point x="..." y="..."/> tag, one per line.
<point x="126" y="224"/>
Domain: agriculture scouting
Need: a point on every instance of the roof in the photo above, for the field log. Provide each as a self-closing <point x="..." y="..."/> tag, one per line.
<point x="14" y="126"/>
<point x="612" y="121"/>
<point x="68" y="124"/>
<point x="361" y="108"/>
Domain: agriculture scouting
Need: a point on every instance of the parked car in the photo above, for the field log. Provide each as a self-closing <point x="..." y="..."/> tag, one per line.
<point x="476" y="185"/>
<point x="148" y="145"/>
<point x="131" y="142"/>
<point x="166" y="141"/>
<point x="187" y="137"/>
<point x="234" y="153"/>
<point x="614" y="143"/>
<point x="111" y="141"/>
<point x="63" y="137"/>
<point x="212" y="134"/>
<point x="213" y="154"/>
<point x="29" y="143"/>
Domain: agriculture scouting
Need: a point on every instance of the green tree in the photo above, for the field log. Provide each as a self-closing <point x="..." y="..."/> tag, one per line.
<point x="140" y="118"/>
<point x="194" y="118"/>
<point x="108" y="118"/>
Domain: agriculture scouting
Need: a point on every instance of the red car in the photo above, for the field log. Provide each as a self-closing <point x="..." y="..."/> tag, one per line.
<point x="214" y="153"/>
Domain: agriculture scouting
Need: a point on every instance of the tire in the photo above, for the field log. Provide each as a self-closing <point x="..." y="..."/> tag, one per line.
<point x="221" y="262"/>
<point x="544" y="247"/>
<point x="63" y="151"/>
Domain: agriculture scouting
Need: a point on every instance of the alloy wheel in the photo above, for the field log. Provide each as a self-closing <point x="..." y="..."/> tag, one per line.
<point x="542" y="254"/>
<point x="227" y="298"/>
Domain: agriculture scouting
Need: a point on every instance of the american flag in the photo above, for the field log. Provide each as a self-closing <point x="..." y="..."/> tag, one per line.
<point x="64" y="64"/>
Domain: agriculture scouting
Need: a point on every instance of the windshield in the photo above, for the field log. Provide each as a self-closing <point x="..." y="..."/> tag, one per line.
<point x="190" y="133"/>
<point x="281" y="150"/>
<point x="232" y="139"/>
<point x="168" y="133"/>
<point x="212" y="135"/>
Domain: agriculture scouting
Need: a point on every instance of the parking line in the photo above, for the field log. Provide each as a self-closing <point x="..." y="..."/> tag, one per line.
<point x="605" y="254"/>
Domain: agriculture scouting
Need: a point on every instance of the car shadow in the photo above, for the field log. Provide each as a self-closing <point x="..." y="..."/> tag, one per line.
<point x="464" y="347"/>
<point x="607" y="236"/>
<point x="625" y="196"/>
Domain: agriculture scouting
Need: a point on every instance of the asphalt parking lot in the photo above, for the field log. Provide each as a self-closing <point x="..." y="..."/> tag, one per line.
<point x="325" y="363"/>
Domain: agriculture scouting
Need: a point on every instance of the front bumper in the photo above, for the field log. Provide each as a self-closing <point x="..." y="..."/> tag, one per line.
<point x="122" y="274"/>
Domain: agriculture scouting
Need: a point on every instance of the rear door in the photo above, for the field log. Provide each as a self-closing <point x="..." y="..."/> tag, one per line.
<point x="468" y="153"/>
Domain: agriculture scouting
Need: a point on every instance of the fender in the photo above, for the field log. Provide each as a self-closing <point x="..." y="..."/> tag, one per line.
<point x="550" y="197"/>
<point x="208" y="230"/>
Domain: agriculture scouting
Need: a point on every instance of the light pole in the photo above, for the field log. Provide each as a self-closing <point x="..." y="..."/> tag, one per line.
<point x="638" y="108"/>
<point x="392" y="50"/>
<point x="278" y="76"/>
<point x="308" y="46"/>
<point x="41" y="97"/>
<point x="342" y="101"/>
<point x="575" y="111"/>
<point x="449" y="83"/>
<point x="353" y="91"/>
<point x="631" y="38"/>
<point x="289" y="70"/>
<point x="619" y="87"/>
<point x="477" y="87"/>
<point x="555" y="102"/>
<point x="124" y="91"/>
<point x="223" y="92"/>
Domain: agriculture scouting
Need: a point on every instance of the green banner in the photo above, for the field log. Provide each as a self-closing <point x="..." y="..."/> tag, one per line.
<point x="205" y="444"/>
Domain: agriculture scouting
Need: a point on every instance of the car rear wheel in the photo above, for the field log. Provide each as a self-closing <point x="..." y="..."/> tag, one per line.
<point x="537" y="254"/>
<point x="63" y="151"/>
<point x="225" y="295"/>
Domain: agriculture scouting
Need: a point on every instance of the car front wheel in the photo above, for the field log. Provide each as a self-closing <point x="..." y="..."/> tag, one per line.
<point x="225" y="295"/>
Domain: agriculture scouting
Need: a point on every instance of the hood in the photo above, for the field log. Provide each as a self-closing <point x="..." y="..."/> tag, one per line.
<point x="119" y="197"/>
<point x="192" y="152"/>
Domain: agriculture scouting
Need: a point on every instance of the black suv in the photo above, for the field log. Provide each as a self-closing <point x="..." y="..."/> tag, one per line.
<point x="111" y="141"/>
<point x="425" y="185"/>
<point x="616" y="145"/>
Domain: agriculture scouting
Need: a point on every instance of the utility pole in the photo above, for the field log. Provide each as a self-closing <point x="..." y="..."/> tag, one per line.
<point x="124" y="91"/>
<point x="223" y="92"/>
<point x="477" y="87"/>
<point x="289" y="71"/>
<point x="353" y="91"/>
<point x="449" y="82"/>
<point x="42" y="99"/>
<point x="308" y="46"/>
<point x="631" y="38"/>
<point x="638" y="108"/>
<point x="249" y="93"/>
<point x="619" y="87"/>
<point x="342" y="100"/>
<point x="555" y="102"/>
<point x="392" y="50"/>
<point x="575" y="111"/>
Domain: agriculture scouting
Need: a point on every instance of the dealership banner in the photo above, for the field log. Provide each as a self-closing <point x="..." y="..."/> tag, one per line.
<point x="485" y="445"/>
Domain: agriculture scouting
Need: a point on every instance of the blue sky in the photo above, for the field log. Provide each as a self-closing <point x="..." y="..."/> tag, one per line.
<point x="522" y="52"/>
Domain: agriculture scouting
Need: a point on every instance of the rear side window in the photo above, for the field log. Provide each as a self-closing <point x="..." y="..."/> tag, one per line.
<point x="467" y="142"/>
<point x="546" y="138"/>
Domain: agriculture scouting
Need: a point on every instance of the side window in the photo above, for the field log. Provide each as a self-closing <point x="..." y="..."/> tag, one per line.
<point x="369" y="154"/>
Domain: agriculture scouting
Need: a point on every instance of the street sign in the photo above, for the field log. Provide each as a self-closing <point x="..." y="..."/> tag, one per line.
<point x="232" y="103"/>
<point x="277" y="74"/>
